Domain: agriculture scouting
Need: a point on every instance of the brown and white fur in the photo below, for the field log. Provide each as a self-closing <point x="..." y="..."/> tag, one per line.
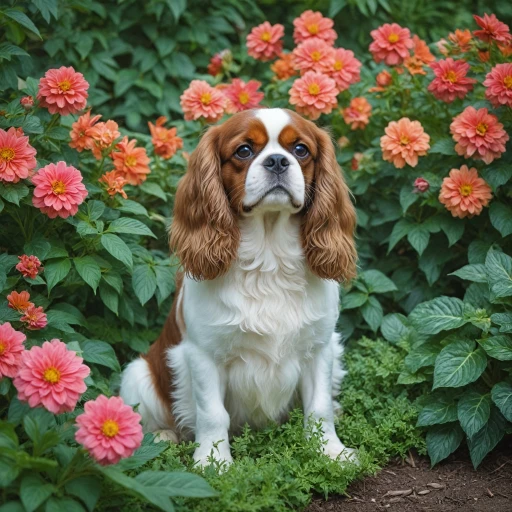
<point x="251" y="331"/>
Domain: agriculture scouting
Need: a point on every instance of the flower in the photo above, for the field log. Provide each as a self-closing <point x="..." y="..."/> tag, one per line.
<point x="442" y="46"/>
<point x="314" y="94"/>
<point x="313" y="55"/>
<point x="354" y="163"/>
<point x="219" y="61"/>
<point x="484" y="56"/>
<point x="283" y="67"/>
<point x="29" y="266"/>
<point x="165" y="141"/>
<point x="383" y="79"/>
<point x="114" y="183"/>
<point x="343" y="142"/>
<point x="313" y="25"/>
<point x="109" y="429"/>
<point x="202" y="100"/>
<point x="357" y="114"/>
<point x="35" y="318"/>
<point x="461" y="39"/>
<point x="103" y="136"/>
<point x="499" y="85"/>
<point x="130" y="162"/>
<point x="422" y="51"/>
<point x="391" y="44"/>
<point x="450" y="81"/>
<point x="11" y="348"/>
<point x="19" y="301"/>
<point x="421" y="185"/>
<point x="464" y="193"/>
<point x="51" y="376"/>
<point x="27" y="102"/>
<point x="81" y="132"/>
<point x="243" y="96"/>
<point x="59" y="190"/>
<point x="346" y="69"/>
<point x="17" y="156"/>
<point x="264" y="42"/>
<point x="506" y="49"/>
<point x="492" y="29"/>
<point x="478" y="134"/>
<point x="404" y="141"/>
<point x="63" y="91"/>
<point x="414" y="65"/>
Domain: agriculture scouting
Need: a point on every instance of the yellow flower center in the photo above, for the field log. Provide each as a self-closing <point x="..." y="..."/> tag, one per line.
<point x="243" y="97"/>
<point x="266" y="36"/>
<point x="316" y="55"/>
<point x="465" y="190"/>
<point x="58" y="187"/>
<point x="404" y="140"/>
<point x="507" y="82"/>
<point x="481" y="128"/>
<point x="451" y="76"/>
<point x="2" y="348"/>
<point x="65" y="85"/>
<point x="314" y="89"/>
<point x="7" y="154"/>
<point x="338" y="65"/>
<point x="110" y="428"/>
<point x="206" y="98"/>
<point x="313" y="29"/>
<point x="130" y="160"/>
<point x="51" y="375"/>
<point x="393" y="38"/>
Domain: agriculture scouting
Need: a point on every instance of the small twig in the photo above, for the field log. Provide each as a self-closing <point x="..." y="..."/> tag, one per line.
<point x="498" y="468"/>
<point x="502" y="495"/>
<point x="413" y="463"/>
<point x="489" y="493"/>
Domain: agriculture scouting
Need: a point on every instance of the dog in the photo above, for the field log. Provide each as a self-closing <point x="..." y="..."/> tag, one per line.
<point x="263" y="226"/>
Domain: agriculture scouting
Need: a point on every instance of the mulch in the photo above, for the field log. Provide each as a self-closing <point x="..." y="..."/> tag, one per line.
<point x="412" y="486"/>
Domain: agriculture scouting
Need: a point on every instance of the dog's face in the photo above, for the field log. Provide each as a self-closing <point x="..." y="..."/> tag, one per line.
<point x="263" y="160"/>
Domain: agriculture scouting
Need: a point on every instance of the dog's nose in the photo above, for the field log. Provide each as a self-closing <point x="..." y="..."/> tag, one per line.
<point x="276" y="163"/>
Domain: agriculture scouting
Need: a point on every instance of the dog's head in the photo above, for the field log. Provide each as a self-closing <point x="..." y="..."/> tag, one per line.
<point x="259" y="161"/>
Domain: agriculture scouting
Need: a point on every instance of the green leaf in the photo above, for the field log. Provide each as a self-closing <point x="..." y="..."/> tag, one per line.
<point x="407" y="378"/>
<point x="393" y="328"/>
<point x="458" y="364"/>
<point x="153" y="189"/>
<point x="177" y="484"/>
<point x="486" y="438"/>
<point x="499" y="347"/>
<point x="118" y="249"/>
<point x="38" y="247"/>
<point x="407" y="197"/>
<point x="109" y="297"/>
<point x="99" y="352"/>
<point x="95" y="209"/>
<point x="421" y="356"/>
<point x="63" y="505"/>
<point x="444" y="146"/>
<point x="453" y="228"/>
<point x="496" y="176"/>
<point x="22" y="19"/>
<point x="11" y="506"/>
<point x="473" y="411"/>
<point x="377" y="282"/>
<point x="372" y="313"/>
<point x="440" y="314"/>
<point x="438" y="410"/>
<point x="144" y="282"/>
<point x="130" y="226"/>
<point x="400" y="229"/>
<point x="504" y="320"/>
<point x="353" y="300"/>
<point x="114" y="280"/>
<point x="475" y="273"/>
<point x="418" y="237"/>
<point x="13" y="192"/>
<point x="148" y="451"/>
<point x="442" y="440"/>
<point x="499" y="272"/>
<point x="502" y="396"/>
<point x="164" y="281"/>
<point x="55" y="271"/>
<point x="34" y="491"/>
<point x="128" y="206"/>
<point x="47" y="8"/>
<point x="86" y="488"/>
<point x="89" y="271"/>
<point x="501" y="217"/>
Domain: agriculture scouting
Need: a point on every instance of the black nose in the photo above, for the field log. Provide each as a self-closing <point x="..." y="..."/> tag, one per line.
<point x="276" y="163"/>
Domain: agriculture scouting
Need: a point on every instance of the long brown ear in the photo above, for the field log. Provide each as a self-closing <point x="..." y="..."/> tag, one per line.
<point x="329" y="223"/>
<point x="204" y="232"/>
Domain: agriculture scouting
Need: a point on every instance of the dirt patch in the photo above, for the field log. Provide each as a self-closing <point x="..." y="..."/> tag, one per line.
<point x="411" y="486"/>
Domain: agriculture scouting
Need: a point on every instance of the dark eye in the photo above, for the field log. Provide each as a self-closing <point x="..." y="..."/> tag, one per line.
<point x="243" y="152"/>
<point x="301" y="151"/>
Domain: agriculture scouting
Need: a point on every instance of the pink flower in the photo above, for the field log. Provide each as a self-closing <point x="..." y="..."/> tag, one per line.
<point x="450" y="81"/>
<point x="391" y="44"/>
<point x="59" y="190"/>
<point x="82" y="131"/>
<point x="478" y="135"/>
<point x="346" y="69"/>
<point x="63" y="91"/>
<point x="357" y="114"/>
<point x="19" y="301"/>
<point x="264" y="42"/>
<point x="27" y="102"/>
<point x="312" y="24"/>
<point x="29" y="266"/>
<point x="35" y="318"/>
<point x="313" y="55"/>
<point x="314" y="94"/>
<point x="499" y="85"/>
<point x="17" y="156"/>
<point x="202" y="100"/>
<point x="109" y="429"/>
<point x="11" y="348"/>
<point x="421" y="185"/>
<point x="492" y="29"/>
<point x="243" y="96"/>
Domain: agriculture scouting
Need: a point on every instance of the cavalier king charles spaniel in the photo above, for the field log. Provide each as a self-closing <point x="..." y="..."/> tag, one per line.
<point x="263" y="226"/>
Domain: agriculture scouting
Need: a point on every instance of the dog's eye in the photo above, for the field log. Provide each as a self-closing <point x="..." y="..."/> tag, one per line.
<point x="301" y="151"/>
<point x="244" y="152"/>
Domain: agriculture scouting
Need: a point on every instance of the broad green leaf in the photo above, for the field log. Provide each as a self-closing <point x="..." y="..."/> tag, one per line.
<point x="38" y="247"/>
<point x="487" y="437"/>
<point x="475" y="273"/>
<point x="496" y="176"/>
<point x="504" y="320"/>
<point x="95" y="209"/>
<point x="22" y="19"/>
<point x="117" y="248"/>
<point x="130" y="226"/>
<point x="473" y="411"/>
<point x="407" y="378"/>
<point x="34" y="491"/>
<point x="502" y="396"/>
<point x="372" y="313"/>
<point x="453" y="228"/>
<point x="353" y="300"/>
<point x="148" y="451"/>
<point x="10" y="506"/>
<point x="153" y="189"/>
<point x="438" y="410"/>
<point x="422" y="355"/>
<point x="128" y="206"/>
<point x="109" y="297"/>
<point x="418" y="237"/>
<point x="63" y="504"/>
<point x="144" y="282"/>
<point x="400" y="229"/>
<point x="55" y="271"/>
<point x="407" y="197"/>
<point x="501" y="217"/>
<point x="477" y="251"/>
<point x="87" y="488"/>
<point x="89" y="271"/>
<point x="13" y="192"/>
<point x="47" y="8"/>
<point x="499" y="271"/>
<point x="377" y="282"/>
<point x="499" y="346"/>
<point x="114" y="280"/>
<point x="444" y="146"/>
<point x="440" y="314"/>
<point x="177" y="484"/>
<point x="443" y="440"/>
<point x="99" y="352"/>
<point x="164" y="281"/>
<point x="393" y="327"/>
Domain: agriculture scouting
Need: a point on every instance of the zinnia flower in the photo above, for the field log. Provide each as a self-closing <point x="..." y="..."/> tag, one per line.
<point x="29" y="266"/>
<point x="346" y="69"/>
<point x="283" y="67"/>
<point x="19" y="301"/>
<point x="414" y="65"/>
<point x="165" y="141"/>
<point x="27" y="102"/>
<point x="421" y="50"/>
<point x="451" y="81"/>
<point x="383" y="79"/>
<point x="130" y="162"/>
<point x="492" y="29"/>
<point x="81" y="132"/>
<point x="478" y="135"/>
<point x="243" y="96"/>
<point x="202" y="100"/>
<point x="51" y="376"/>
<point x="404" y="141"/>
<point x="357" y="114"/>
<point x="35" y="318"/>
<point x="463" y="193"/>
<point x="103" y="136"/>
<point x="63" y="91"/>
<point x="391" y="44"/>
<point x="11" y="348"/>
<point x="314" y="94"/>
<point x="313" y="55"/>
<point x="17" y="156"/>
<point x="114" y="183"/>
<point x="505" y="49"/>
<point x="313" y="25"/>
<point x="264" y="42"/>
<point x="461" y="39"/>
<point x="499" y="85"/>
<point x="218" y="61"/>
<point x="109" y="429"/>
<point x="59" y="190"/>
<point x="421" y="185"/>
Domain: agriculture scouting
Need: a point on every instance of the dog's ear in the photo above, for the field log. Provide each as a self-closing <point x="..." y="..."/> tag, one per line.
<point x="329" y="223"/>
<point x="204" y="232"/>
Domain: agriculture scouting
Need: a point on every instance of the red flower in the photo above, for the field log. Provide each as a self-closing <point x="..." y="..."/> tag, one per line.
<point x="29" y="266"/>
<point x="312" y="24"/>
<point x="451" y="81"/>
<point x="492" y="29"/>
<point x="499" y="85"/>
<point x="264" y="42"/>
<point x="391" y="44"/>
<point x="421" y="185"/>
<point x="242" y="96"/>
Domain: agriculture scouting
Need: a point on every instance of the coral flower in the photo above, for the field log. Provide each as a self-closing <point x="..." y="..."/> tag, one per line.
<point x="499" y="85"/>
<point x="35" y="318"/>
<point x="103" y="136"/>
<point x="243" y="96"/>
<point x="346" y="69"/>
<point x="51" y="376"/>
<point x="19" y="301"/>
<point x="383" y="79"/>
<point x="17" y="156"/>
<point x="404" y="141"/>
<point x="202" y="100"/>
<point x="264" y="42"/>
<point x="218" y="61"/>
<point x="11" y="348"/>
<point x="421" y="185"/>
<point x="506" y="49"/>
<point x="114" y="183"/>
<point x="422" y="51"/>
<point x="63" y="91"/>
<point x="109" y="429"/>
<point x="29" y="266"/>
<point x="492" y="29"/>
<point x="451" y="81"/>
<point x="391" y="44"/>
<point x="81" y="132"/>
<point x="165" y="141"/>
<point x="357" y="114"/>
<point x="314" y="55"/>
<point x="27" y="102"/>
<point x="312" y="24"/>
<point x="463" y="193"/>
<point x="461" y="38"/>
<point x="414" y="65"/>
<point x="314" y="94"/>
<point x="283" y="67"/>
<point x="59" y="190"/>
<point x="130" y="162"/>
<point x="478" y="135"/>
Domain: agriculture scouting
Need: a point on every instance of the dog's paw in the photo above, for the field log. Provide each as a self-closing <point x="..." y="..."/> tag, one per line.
<point x="339" y="452"/>
<point x="218" y="453"/>
<point x="165" y="435"/>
